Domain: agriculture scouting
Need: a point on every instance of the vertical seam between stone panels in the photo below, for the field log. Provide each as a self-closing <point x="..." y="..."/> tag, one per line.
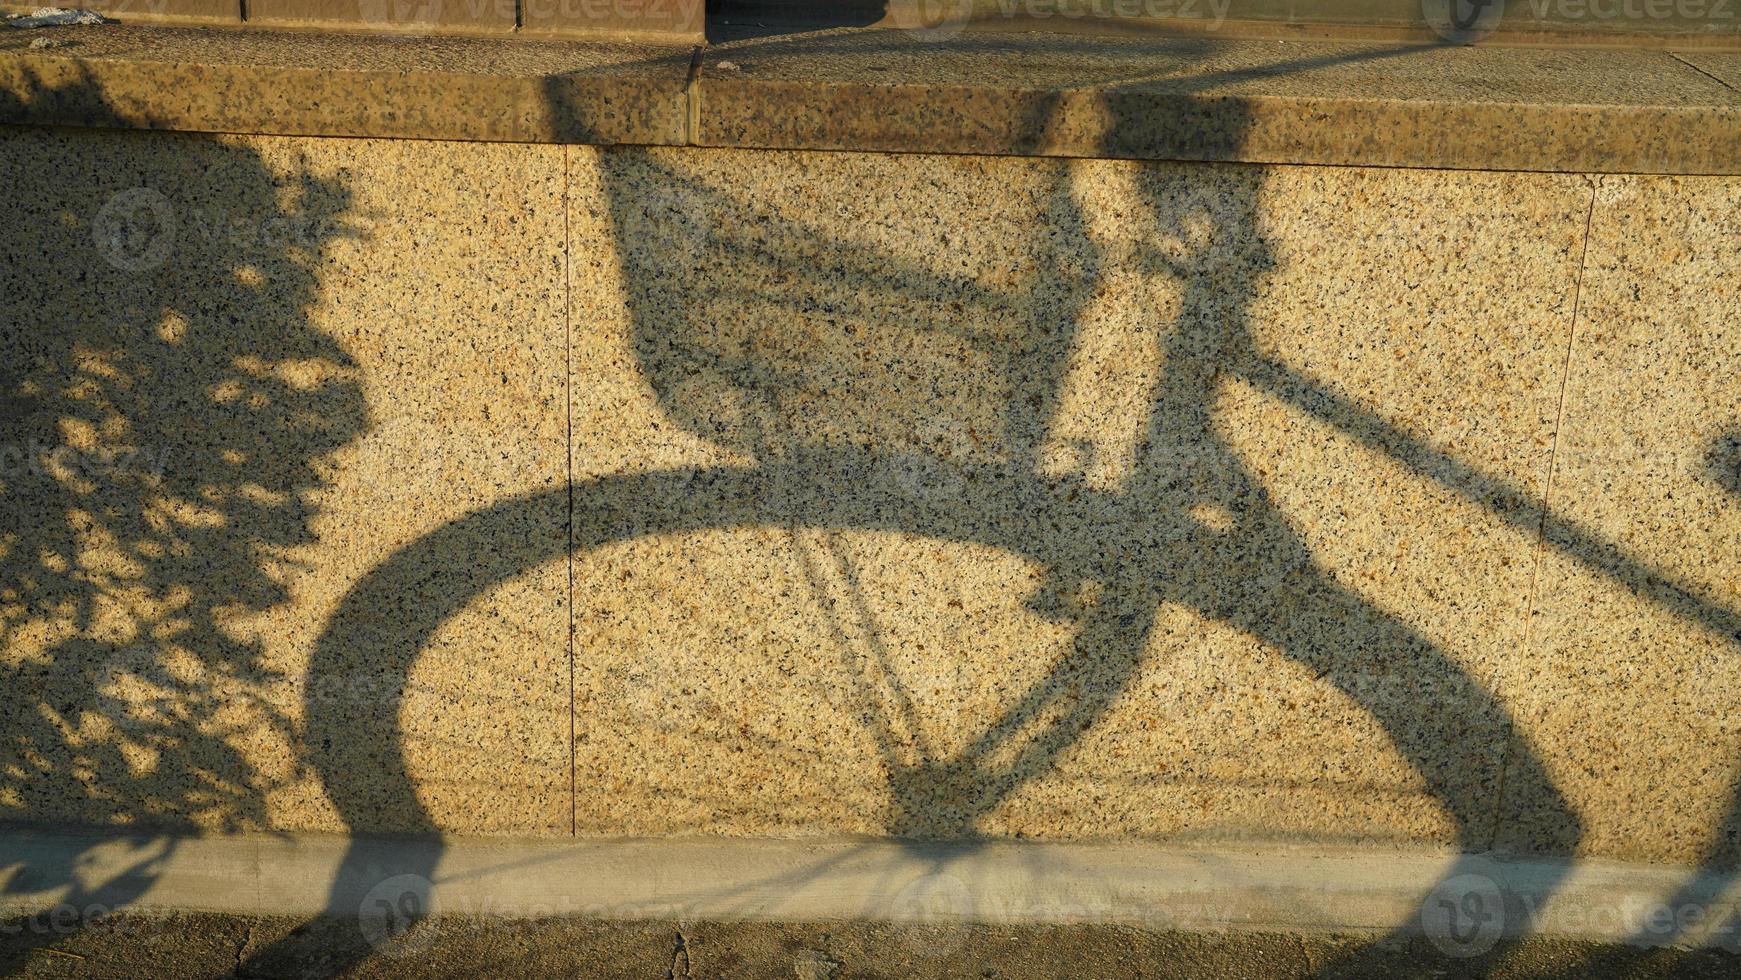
<point x="1540" y="547"/>
<point x="568" y="471"/>
<point x="692" y="99"/>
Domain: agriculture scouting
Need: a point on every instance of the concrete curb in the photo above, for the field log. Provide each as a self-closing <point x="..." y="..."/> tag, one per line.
<point x="1201" y="889"/>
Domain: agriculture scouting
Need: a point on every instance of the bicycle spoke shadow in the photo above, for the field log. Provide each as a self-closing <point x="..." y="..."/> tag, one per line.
<point x="829" y="424"/>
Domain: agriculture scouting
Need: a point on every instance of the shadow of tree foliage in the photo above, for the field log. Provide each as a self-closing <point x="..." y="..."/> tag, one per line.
<point x="168" y="411"/>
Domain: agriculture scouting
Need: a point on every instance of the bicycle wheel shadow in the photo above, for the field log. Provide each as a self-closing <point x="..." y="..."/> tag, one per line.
<point x="827" y="405"/>
<point x="836" y="389"/>
<point x="167" y="413"/>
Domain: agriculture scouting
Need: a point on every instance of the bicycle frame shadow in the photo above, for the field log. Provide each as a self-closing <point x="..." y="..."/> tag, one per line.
<point x="822" y="465"/>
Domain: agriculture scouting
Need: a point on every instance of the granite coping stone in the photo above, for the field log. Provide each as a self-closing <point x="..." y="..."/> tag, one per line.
<point x="303" y="83"/>
<point x="1421" y="105"/>
<point x="1204" y="98"/>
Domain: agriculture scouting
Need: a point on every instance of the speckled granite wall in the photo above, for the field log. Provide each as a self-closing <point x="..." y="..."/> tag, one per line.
<point x="1631" y="691"/>
<point x="914" y="495"/>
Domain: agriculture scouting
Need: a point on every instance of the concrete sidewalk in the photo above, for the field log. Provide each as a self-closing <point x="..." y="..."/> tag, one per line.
<point x="211" y="945"/>
<point x="322" y="906"/>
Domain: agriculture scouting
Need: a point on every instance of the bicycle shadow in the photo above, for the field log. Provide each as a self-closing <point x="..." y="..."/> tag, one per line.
<point x="1182" y="522"/>
<point x="1187" y="524"/>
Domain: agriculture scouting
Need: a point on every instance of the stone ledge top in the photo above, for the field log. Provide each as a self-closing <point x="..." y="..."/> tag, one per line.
<point x="1202" y="98"/>
<point x="304" y="83"/>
